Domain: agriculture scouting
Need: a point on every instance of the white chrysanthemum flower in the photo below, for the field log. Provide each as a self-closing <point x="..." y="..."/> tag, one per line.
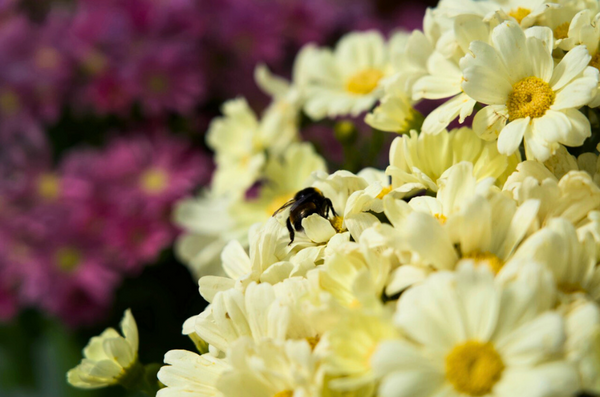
<point x="268" y="368"/>
<point x="212" y="221"/>
<point x="348" y="80"/>
<point x="395" y="113"/>
<point x="423" y="158"/>
<point x="585" y="29"/>
<point x="529" y="98"/>
<point x="233" y="314"/>
<point x="583" y="327"/>
<point x="190" y="374"/>
<point x="241" y="268"/>
<point x="240" y="142"/>
<point x="571" y="262"/>
<point x="525" y="12"/>
<point x="354" y="274"/>
<point x="444" y="76"/>
<point x="110" y="358"/>
<point x="467" y="335"/>
<point x="351" y="344"/>
<point x="467" y="222"/>
<point x="572" y="197"/>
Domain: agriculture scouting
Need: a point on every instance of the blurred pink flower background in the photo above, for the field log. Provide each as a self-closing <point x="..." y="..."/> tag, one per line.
<point x="103" y="107"/>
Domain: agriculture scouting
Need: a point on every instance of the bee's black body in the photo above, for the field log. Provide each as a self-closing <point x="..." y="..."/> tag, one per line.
<point x="305" y="203"/>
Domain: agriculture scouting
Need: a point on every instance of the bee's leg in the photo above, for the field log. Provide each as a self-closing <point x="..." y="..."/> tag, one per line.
<point x="330" y="207"/>
<point x="291" y="230"/>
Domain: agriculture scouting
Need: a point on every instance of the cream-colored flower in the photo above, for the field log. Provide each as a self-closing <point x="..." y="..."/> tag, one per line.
<point x="211" y="221"/>
<point x="467" y="221"/>
<point x="572" y="262"/>
<point x="572" y="197"/>
<point x="240" y="142"/>
<point x="348" y="80"/>
<point x="395" y="113"/>
<point x="110" y="358"/>
<point x="190" y="374"/>
<point x="242" y="268"/>
<point x="584" y="29"/>
<point x="268" y="368"/>
<point x="467" y="335"/>
<point x="351" y="344"/>
<point x="583" y="331"/>
<point x="529" y="98"/>
<point x="233" y="314"/>
<point x="524" y="12"/>
<point x="423" y="158"/>
<point x="444" y="76"/>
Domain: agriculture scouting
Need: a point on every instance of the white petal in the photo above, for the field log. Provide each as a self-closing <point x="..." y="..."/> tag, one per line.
<point x="511" y="136"/>
<point x="489" y="121"/>
<point x="577" y="93"/>
<point x="317" y="228"/>
<point x="573" y="63"/>
<point x="485" y="79"/>
<point x="509" y="39"/>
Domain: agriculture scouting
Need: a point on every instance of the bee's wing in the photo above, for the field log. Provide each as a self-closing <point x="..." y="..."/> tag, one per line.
<point x="289" y="203"/>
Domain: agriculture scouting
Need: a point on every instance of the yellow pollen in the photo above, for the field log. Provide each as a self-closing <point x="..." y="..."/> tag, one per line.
<point x="595" y="62"/>
<point x="48" y="186"/>
<point x="337" y="223"/>
<point x="384" y="191"/>
<point x="562" y="31"/>
<point x="364" y="82"/>
<point x="441" y="218"/>
<point x="531" y="97"/>
<point x="571" y="288"/>
<point x="313" y="341"/>
<point x="474" y="368"/>
<point x="153" y="181"/>
<point x="519" y="13"/>
<point x="9" y="103"/>
<point x="278" y="202"/>
<point x="493" y="262"/>
<point x="67" y="259"/>
<point x="285" y="393"/>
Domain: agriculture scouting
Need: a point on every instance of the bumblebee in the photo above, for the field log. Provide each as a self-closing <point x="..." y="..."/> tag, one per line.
<point x="305" y="203"/>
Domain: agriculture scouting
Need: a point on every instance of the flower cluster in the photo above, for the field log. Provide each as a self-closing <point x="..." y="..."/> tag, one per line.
<point x="469" y="267"/>
<point x="107" y="57"/>
<point x="70" y="233"/>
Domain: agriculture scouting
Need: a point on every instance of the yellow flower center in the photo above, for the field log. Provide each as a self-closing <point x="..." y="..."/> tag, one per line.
<point x="571" y="288"/>
<point x="531" y="97"/>
<point x="487" y="258"/>
<point x="384" y="192"/>
<point x="441" y="218"/>
<point x="285" y="393"/>
<point x="474" y="368"/>
<point x="67" y="258"/>
<point x="337" y="223"/>
<point x="153" y="181"/>
<point x="519" y="13"/>
<point x="562" y="31"/>
<point x="277" y="203"/>
<point x="364" y="82"/>
<point x="158" y="83"/>
<point x="595" y="62"/>
<point x="48" y="186"/>
<point x="9" y="103"/>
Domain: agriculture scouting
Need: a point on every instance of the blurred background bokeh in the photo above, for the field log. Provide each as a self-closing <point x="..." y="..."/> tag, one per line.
<point x="104" y="105"/>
